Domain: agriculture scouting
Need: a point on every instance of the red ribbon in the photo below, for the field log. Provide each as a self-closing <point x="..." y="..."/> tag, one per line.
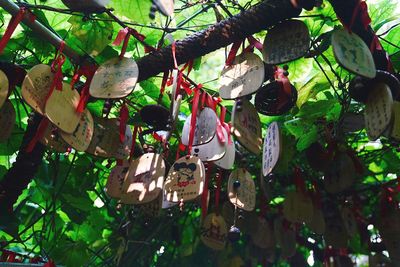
<point x="362" y="10"/>
<point x="44" y="123"/>
<point x="125" y="34"/>
<point x="56" y="68"/>
<point x="204" y="196"/>
<point x="87" y="71"/>
<point x="232" y="54"/>
<point x="123" y="118"/>
<point x="49" y="264"/>
<point x="195" y="107"/>
<point x="263" y="205"/>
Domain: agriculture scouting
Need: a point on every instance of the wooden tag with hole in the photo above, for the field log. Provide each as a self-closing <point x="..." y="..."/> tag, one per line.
<point x="4" y="85"/>
<point x="166" y="7"/>
<point x="206" y="126"/>
<point x="61" y="108"/>
<point x="227" y="161"/>
<point x="244" y="196"/>
<point x="144" y="180"/>
<point x="298" y="207"/>
<point x="185" y="180"/>
<point x="272" y="148"/>
<point x="213" y="232"/>
<point x="246" y="126"/>
<point x="211" y="151"/>
<point x="54" y="141"/>
<point x="244" y="77"/>
<point x="116" y="180"/>
<point x="317" y="223"/>
<point x="352" y="53"/>
<point x="36" y="86"/>
<point x="81" y="137"/>
<point x="116" y="78"/>
<point x="287" y="41"/>
<point x="7" y="120"/>
<point x="263" y="237"/>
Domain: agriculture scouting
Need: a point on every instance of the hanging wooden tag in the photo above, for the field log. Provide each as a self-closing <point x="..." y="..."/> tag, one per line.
<point x="246" y="126"/>
<point x="116" y="180"/>
<point x="185" y="179"/>
<point x="165" y="203"/>
<point x="206" y="126"/>
<point x="244" y="77"/>
<point x="4" y="85"/>
<point x="352" y="53"/>
<point x="272" y="148"/>
<point x="124" y="149"/>
<point x="211" y="151"/>
<point x="349" y="221"/>
<point x="263" y="237"/>
<point x="317" y="223"/>
<point x="227" y="161"/>
<point x="81" y="137"/>
<point x="340" y="175"/>
<point x="7" y="120"/>
<point x="244" y="196"/>
<point x="214" y="231"/>
<point x="144" y="180"/>
<point x="61" y="108"/>
<point x="395" y="128"/>
<point x="285" y="237"/>
<point x="53" y="141"/>
<point x="166" y="7"/>
<point x="352" y="122"/>
<point x="116" y="78"/>
<point x="285" y="42"/>
<point x="36" y="86"/>
<point x="335" y="233"/>
<point x="298" y="207"/>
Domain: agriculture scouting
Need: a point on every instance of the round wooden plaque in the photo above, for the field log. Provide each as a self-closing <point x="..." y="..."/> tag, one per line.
<point x="116" y="78"/>
<point x="341" y="174"/>
<point x="206" y="126"/>
<point x="81" y="137"/>
<point x="352" y="53"/>
<point x="7" y="120"/>
<point x="349" y="221"/>
<point x="263" y="237"/>
<point x="185" y="180"/>
<point x="144" y="180"/>
<point x="317" y="224"/>
<point x="272" y="148"/>
<point x="116" y="180"/>
<point x="378" y="110"/>
<point x="246" y="126"/>
<point x="244" y="77"/>
<point x="54" y="142"/>
<point x="211" y="151"/>
<point x="298" y="207"/>
<point x="287" y="41"/>
<point x="166" y="7"/>
<point x="36" y="86"/>
<point x="243" y="197"/>
<point x="4" y="85"/>
<point x="61" y="108"/>
<point x="214" y="231"/>
<point x="227" y="161"/>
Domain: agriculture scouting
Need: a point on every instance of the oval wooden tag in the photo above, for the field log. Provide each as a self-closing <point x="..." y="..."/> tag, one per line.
<point x="227" y="161"/>
<point x="352" y="53"/>
<point x="81" y="137"/>
<point x="36" y="86"/>
<point x="206" y="126"/>
<point x="166" y="7"/>
<point x="152" y="208"/>
<point x="287" y="41"/>
<point x="243" y="197"/>
<point x="54" y="142"/>
<point x="272" y="148"/>
<point x="263" y="237"/>
<point x="341" y="174"/>
<point x="246" y="126"/>
<point x="116" y="78"/>
<point x="317" y="224"/>
<point x="378" y="110"/>
<point x="4" y="85"/>
<point x="185" y="180"/>
<point x="116" y="180"/>
<point x="124" y="149"/>
<point x="7" y="120"/>
<point x="298" y="207"/>
<point x="214" y="231"/>
<point x="61" y="108"/>
<point x="144" y="180"/>
<point x="211" y="151"/>
<point x="244" y="77"/>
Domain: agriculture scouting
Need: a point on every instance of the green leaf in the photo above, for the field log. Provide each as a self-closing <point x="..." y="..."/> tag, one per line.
<point x="135" y="10"/>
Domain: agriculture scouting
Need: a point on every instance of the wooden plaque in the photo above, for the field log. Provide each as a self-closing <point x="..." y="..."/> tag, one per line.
<point x="298" y="207"/>
<point x="61" y="108"/>
<point x="81" y="137"/>
<point x="214" y="231"/>
<point x="4" y="85"/>
<point x="36" y="86"/>
<point x="54" y="143"/>
<point x="272" y="148"/>
<point x="116" y="180"/>
<point x="378" y="110"/>
<point x="227" y="161"/>
<point x="124" y="149"/>
<point x="317" y="224"/>
<point x="246" y="126"/>
<point x="211" y="151"/>
<point x="263" y="237"/>
<point x="7" y="120"/>
<point x="144" y="180"/>
<point x="285" y="42"/>
<point x="185" y="180"/>
<point x="395" y="129"/>
<point x="245" y="196"/>
<point x="352" y="53"/>
<point x="166" y="7"/>
<point x="152" y="208"/>
<point x="341" y="174"/>
<point x="116" y="78"/>
<point x="244" y="77"/>
<point x="206" y="126"/>
<point x="349" y="221"/>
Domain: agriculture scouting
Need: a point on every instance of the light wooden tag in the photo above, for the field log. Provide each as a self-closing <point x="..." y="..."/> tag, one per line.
<point x="227" y="161"/>
<point x="298" y="207"/>
<point x="61" y="108"/>
<point x="7" y="120"/>
<point x="124" y="148"/>
<point x="206" y="126"/>
<point x="378" y="110"/>
<point x="166" y="7"/>
<point x="116" y="78"/>
<point x="317" y="224"/>
<point x="263" y="237"/>
<point x="144" y="180"/>
<point x="36" y="86"/>
<point x="245" y="195"/>
<point x="272" y="148"/>
<point x="116" y="179"/>
<point x="165" y="203"/>
<point x="4" y="85"/>
<point x="285" y="42"/>
<point x="211" y="151"/>
<point x="244" y="77"/>
<point x="81" y="137"/>
<point x="349" y="221"/>
<point x="341" y="174"/>
<point x="214" y="231"/>
<point x="185" y="180"/>
<point x="55" y="143"/>
<point x="246" y="126"/>
<point x="352" y="53"/>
